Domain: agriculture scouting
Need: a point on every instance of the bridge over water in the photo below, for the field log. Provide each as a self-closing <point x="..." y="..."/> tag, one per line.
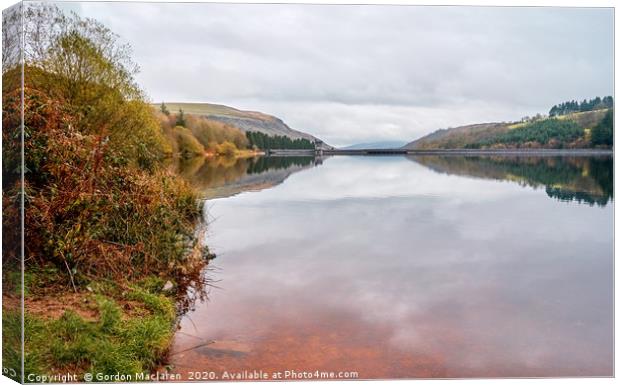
<point x="472" y="152"/>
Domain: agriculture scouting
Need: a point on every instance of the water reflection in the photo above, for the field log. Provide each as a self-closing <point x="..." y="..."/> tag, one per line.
<point x="578" y="178"/>
<point x="387" y="267"/>
<point x="220" y="177"/>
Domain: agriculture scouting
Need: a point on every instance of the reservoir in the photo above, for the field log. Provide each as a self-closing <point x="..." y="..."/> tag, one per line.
<point x="378" y="267"/>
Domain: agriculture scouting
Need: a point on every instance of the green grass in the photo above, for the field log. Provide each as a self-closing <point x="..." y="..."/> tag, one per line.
<point x="115" y="342"/>
<point x="11" y="342"/>
<point x="203" y="109"/>
<point x="212" y="109"/>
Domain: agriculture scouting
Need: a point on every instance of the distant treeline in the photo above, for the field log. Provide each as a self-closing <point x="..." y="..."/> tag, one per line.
<point x="586" y="105"/>
<point x="266" y="142"/>
<point x="551" y="132"/>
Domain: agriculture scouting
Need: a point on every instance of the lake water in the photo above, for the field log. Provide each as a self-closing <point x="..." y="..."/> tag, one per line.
<point x="405" y="267"/>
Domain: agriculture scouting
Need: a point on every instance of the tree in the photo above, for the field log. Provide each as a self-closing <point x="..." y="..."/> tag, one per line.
<point x="81" y="62"/>
<point x="164" y="109"/>
<point x="603" y="133"/>
<point x="78" y="53"/>
<point x="181" y="118"/>
<point x="585" y="105"/>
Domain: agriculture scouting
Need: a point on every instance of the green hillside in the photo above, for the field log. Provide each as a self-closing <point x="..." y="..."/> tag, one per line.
<point x="217" y="109"/>
<point x="585" y="129"/>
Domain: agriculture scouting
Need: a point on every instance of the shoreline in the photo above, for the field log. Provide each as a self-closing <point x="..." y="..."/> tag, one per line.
<point x="537" y="152"/>
<point x="238" y="154"/>
<point x="456" y="151"/>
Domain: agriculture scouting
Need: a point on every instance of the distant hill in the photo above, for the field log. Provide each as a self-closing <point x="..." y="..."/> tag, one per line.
<point x="243" y="120"/>
<point x="379" y="145"/>
<point x="457" y="137"/>
<point x="572" y="130"/>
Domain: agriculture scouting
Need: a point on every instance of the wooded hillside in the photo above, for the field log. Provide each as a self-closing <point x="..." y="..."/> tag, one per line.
<point x="584" y="129"/>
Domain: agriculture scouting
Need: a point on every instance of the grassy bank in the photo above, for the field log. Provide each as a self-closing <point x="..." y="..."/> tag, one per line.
<point x="107" y="329"/>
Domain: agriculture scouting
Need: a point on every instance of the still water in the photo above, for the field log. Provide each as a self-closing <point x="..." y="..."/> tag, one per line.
<point x="406" y="267"/>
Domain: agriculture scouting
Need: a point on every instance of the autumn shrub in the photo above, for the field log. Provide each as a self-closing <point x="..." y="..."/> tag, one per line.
<point x="210" y="132"/>
<point x="92" y="214"/>
<point x="187" y="145"/>
<point x="226" y="149"/>
<point x="98" y="201"/>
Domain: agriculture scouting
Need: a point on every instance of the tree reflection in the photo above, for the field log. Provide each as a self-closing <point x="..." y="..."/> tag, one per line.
<point x="225" y="176"/>
<point x="581" y="179"/>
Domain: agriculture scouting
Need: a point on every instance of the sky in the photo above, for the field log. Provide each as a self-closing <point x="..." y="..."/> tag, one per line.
<point x="354" y="74"/>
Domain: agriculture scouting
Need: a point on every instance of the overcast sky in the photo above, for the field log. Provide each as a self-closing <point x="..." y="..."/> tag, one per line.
<point x="351" y="74"/>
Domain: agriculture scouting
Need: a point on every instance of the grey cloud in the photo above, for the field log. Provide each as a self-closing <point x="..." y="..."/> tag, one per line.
<point x="368" y="72"/>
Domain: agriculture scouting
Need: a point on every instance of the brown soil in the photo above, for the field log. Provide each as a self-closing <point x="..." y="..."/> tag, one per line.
<point x="55" y="306"/>
<point x="84" y="304"/>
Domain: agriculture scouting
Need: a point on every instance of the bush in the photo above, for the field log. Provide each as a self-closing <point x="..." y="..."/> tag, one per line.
<point x="187" y="145"/>
<point x="100" y="94"/>
<point x="90" y="214"/>
<point x="199" y="133"/>
<point x="211" y="133"/>
<point x="226" y="149"/>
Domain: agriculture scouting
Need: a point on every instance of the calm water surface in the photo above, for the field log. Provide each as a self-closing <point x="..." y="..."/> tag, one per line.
<point x="406" y="267"/>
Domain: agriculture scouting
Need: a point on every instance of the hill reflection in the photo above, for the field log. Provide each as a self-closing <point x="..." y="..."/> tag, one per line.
<point x="587" y="180"/>
<point x="221" y="177"/>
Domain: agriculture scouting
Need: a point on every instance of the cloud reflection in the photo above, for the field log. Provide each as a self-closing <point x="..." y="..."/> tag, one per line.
<point x="423" y="278"/>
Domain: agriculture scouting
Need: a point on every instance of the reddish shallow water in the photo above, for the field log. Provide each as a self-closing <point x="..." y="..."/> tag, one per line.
<point x="413" y="275"/>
